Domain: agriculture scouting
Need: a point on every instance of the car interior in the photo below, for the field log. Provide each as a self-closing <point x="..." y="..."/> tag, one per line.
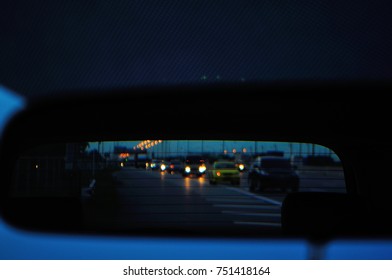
<point x="311" y="78"/>
<point x="359" y="139"/>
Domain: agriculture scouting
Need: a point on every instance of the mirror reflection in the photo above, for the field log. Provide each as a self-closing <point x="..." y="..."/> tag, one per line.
<point x="197" y="185"/>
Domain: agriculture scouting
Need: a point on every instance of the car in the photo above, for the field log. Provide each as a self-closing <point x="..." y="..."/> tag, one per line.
<point x="224" y="171"/>
<point x="272" y="172"/>
<point x="194" y="165"/>
<point x="155" y="164"/>
<point x="175" y="166"/>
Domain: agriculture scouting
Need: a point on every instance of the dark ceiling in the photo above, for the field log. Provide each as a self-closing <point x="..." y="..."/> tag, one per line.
<point x="49" y="46"/>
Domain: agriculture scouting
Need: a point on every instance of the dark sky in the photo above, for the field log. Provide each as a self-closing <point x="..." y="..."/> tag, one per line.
<point x="55" y="45"/>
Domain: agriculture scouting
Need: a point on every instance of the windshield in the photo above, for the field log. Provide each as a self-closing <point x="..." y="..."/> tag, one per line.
<point x="194" y="160"/>
<point x="276" y="163"/>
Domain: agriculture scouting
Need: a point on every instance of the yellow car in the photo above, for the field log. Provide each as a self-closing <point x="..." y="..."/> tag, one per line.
<point x="224" y="171"/>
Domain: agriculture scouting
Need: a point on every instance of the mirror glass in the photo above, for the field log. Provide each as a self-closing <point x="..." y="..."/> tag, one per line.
<point x="199" y="186"/>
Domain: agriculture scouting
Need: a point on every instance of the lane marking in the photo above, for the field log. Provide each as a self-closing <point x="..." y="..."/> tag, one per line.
<point x="258" y="197"/>
<point x="252" y="214"/>
<point x="274" y="207"/>
<point x="239" y="200"/>
<point x="257" y="224"/>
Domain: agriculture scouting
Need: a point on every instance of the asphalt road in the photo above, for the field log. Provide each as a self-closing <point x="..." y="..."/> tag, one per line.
<point x="144" y="199"/>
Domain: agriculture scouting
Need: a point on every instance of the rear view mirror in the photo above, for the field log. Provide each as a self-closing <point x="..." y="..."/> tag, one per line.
<point x="81" y="173"/>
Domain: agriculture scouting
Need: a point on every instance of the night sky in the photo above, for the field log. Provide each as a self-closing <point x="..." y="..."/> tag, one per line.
<point x="46" y="46"/>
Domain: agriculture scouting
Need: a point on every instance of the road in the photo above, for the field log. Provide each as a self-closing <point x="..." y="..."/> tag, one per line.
<point x="144" y="199"/>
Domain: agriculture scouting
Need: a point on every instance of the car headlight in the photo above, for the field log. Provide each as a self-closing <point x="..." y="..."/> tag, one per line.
<point x="241" y="167"/>
<point x="163" y="167"/>
<point x="202" y="169"/>
<point x="187" y="169"/>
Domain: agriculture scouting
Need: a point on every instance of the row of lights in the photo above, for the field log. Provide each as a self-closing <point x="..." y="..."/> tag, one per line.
<point x="235" y="151"/>
<point x="147" y="144"/>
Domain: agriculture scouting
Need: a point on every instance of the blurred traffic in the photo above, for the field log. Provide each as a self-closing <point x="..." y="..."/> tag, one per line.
<point x="178" y="183"/>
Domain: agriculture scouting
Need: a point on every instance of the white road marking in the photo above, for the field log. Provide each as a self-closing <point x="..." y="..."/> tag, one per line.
<point x="275" y="207"/>
<point x="257" y="224"/>
<point x="229" y="200"/>
<point x="252" y="214"/>
<point x="259" y="197"/>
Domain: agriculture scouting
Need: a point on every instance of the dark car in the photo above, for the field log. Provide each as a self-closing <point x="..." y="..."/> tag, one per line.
<point x="194" y="166"/>
<point x="273" y="172"/>
<point x="155" y="164"/>
<point x="175" y="166"/>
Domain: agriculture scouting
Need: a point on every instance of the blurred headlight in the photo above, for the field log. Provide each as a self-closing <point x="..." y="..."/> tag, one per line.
<point x="241" y="167"/>
<point x="187" y="169"/>
<point x="202" y="169"/>
<point x="163" y="167"/>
